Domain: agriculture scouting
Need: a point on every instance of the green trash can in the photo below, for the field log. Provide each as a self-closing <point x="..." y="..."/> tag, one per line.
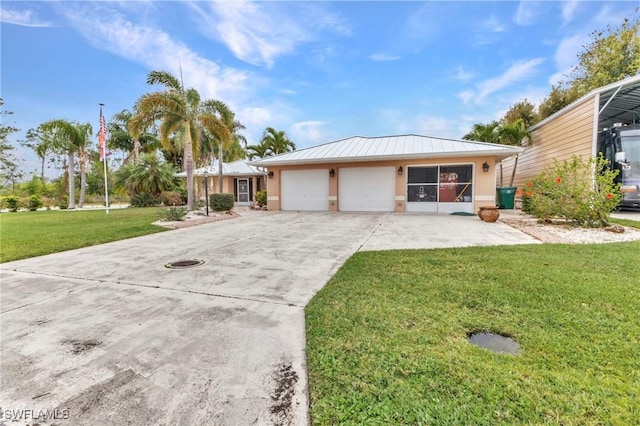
<point x="506" y="196"/>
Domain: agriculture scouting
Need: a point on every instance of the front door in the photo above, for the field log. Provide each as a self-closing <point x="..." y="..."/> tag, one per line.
<point x="243" y="190"/>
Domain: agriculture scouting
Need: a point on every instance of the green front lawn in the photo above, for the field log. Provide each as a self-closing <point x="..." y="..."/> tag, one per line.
<point x="387" y="337"/>
<point x="29" y="234"/>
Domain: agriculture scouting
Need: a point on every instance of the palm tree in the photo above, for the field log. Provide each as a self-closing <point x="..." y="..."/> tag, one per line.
<point x="277" y="141"/>
<point x="178" y="110"/>
<point x="514" y="133"/>
<point x="148" y="176"/>
<point x="223" y="142"/>
<point x="121" y="138"/>
<point x="73" y="138"/>
<point x="41" y="143"/>
<point x="258" y="151"/>
<point x="483" y="132"/>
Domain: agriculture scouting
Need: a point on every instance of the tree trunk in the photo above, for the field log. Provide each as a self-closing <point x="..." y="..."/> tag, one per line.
<point x="42" y="170"/>
<point x="220" y="168"/>
<point x="188" y="164"/>
<point x="513" y="172"/>
<point x="136" y="151"/>
<point x="83" y="182"/>
<point x="72" y="182"/>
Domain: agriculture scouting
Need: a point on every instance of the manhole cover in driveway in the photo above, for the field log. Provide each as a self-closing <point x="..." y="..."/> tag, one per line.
<point x="182" y="264"/>
<point x="495" y="342"/>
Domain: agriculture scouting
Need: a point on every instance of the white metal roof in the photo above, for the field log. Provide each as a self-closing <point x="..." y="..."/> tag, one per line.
<point x="359" y="148"/>
<point x="236" y="168"/>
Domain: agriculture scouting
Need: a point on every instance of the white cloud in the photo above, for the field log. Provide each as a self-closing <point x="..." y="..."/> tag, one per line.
<point x="517" y="72"/>
<point x="381" y="57"/>
<point x="466" y="96"/>
<point x="568" y="11"/>
<point x="258" y="33"/>
<point x="307" y="133"/>
<point x="463" y="75"/>
<point x="21" y="17"/>
<point x="155" y="49"/>
<point x="566" y="56"/>
<point x="494" y="25"/>
<point x="527" y="12"/>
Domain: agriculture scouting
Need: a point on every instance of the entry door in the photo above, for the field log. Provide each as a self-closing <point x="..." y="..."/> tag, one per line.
<point x="243" y="190"/>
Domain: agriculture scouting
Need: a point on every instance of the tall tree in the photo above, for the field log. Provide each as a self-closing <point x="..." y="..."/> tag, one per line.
<point x="258" y="151"/>
<point x="483" y="132"/>
<point x="72" y="138"/>
<point x="558" y="98"/>
<point x="178" y="110"/>
<point x="120" y="137"/>
<point x="610" y="56"/>
<point x="222" y="142"/>
<point x="277" y="141"/>
<point x="523" y="110"/>
<point x="41" y="143"/>
<point x="9" y="170"/>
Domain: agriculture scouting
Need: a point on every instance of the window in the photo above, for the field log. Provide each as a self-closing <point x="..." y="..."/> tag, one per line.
<point x="422" y="184"/>
<point x="444" y="184"/>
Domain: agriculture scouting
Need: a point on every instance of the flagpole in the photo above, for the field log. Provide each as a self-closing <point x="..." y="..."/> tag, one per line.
<point x="102" y="137"/>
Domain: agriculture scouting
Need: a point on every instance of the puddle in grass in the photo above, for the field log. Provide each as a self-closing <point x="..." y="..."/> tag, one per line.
<point x="495" y="342"/>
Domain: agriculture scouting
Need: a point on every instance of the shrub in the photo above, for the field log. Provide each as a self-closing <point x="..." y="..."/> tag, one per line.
<point x="13" y="203"/>
<point x="173" y="214"/>
<point x="35" y="202"/>
<point x="171" y="198"/>
<point x="567" y="190"/>
<point x="261" y="198"/>
<point x="144" y="200"/>
<point x="221" y="202"/>
<point x="63" y="202"/>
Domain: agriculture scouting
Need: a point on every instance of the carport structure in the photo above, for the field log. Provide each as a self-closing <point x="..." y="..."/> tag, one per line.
<point x="411" y="173"/>
<point x="573" y="131"/>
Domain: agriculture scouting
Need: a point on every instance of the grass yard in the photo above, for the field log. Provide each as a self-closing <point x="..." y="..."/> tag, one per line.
<point x="29" y="234"/>
<point x="387" y="337"/>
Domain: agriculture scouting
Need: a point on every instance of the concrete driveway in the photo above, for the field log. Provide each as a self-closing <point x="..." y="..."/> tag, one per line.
<point x="107" y="335"/>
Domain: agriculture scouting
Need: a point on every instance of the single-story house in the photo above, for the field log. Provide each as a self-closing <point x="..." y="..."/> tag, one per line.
<point x="410" y="173"/>
<point x="574" y="129"/>
<point x="238" y="178"/>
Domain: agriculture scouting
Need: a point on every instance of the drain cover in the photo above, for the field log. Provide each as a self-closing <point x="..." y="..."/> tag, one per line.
<point x="495" y="342"/>
<point x="182" y="264"/>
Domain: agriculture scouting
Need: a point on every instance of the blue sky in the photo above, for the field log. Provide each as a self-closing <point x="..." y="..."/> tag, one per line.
<point x="321" y="71"/>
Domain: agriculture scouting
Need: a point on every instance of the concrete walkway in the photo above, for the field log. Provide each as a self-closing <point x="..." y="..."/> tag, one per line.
<point x="107" y="335"/>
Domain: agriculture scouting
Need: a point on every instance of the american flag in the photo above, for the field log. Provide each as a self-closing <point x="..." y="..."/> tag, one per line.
<point x="102" y="136"/>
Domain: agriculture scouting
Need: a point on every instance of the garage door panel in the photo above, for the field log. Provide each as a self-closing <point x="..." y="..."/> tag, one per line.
<point x="305" y="190"/>
<point x="367" y="189"/>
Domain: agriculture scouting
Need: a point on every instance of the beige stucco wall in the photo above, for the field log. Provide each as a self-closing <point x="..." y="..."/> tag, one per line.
<point x="484" y="183"/>
<point x="569" y="134"/>
<point x="227" y="184"/>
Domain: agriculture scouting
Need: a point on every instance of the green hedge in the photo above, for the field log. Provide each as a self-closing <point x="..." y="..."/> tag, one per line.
<point x="221" y="202"/>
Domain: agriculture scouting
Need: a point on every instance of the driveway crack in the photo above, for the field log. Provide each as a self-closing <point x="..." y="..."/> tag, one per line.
<point x="372" y="233"/>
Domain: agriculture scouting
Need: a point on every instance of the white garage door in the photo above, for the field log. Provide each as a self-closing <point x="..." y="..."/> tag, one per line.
<point x="367" y="189"/>
<point x="304" y="190"/>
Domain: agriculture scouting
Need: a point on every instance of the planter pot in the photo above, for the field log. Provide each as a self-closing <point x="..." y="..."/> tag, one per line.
<point x="488" y="213"/>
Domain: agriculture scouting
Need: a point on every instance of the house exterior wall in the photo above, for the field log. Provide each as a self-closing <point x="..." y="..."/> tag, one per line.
<point x="483" y="185"/>
<point x="227" y="184"/>
<point x="569" y="134"/>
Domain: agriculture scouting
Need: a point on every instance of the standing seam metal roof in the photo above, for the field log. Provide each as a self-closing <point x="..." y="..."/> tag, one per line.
<point x="359" y="148"/>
